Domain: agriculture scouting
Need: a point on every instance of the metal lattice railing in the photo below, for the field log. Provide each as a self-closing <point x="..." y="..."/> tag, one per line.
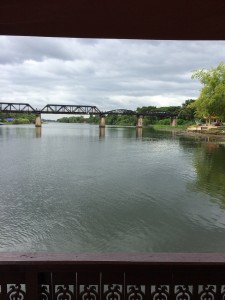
<point x="45" y="276"/>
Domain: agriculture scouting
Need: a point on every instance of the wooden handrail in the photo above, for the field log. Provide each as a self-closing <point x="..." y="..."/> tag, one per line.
<point x="112" y="276"/>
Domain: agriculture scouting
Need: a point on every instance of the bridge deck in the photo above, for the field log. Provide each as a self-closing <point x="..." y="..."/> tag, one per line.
<point x="75" y="110"/>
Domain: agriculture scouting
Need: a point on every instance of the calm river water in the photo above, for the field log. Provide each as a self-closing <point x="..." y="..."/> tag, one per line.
<point x="67" y="189"/>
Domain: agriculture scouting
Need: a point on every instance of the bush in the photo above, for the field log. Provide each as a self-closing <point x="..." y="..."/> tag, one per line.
<point x="164" y="122"/>
<point x="21" y="121"/>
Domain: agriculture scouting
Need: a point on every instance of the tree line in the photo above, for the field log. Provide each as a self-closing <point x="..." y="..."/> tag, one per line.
<point x="19" y="118"/>
<point x="184" y="112"/>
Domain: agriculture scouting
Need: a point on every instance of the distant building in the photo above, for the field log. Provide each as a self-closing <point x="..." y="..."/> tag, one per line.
<point x="9" y="119"/>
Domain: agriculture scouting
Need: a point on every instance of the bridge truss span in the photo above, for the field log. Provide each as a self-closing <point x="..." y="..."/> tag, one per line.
<point x="83" y="110"/>
<point x="16" y="108"/>
<point x="70" y="109"/>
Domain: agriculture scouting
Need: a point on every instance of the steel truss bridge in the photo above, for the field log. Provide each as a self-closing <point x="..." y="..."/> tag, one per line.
<point x="6" y="107"/>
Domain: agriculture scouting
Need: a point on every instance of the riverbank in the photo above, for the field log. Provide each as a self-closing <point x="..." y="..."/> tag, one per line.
<point x="169" y="127"/>
<point x="208" y="130"/>
<point x="213" y="132"/>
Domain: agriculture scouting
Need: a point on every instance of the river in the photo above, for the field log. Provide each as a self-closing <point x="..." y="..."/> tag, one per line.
<point x="67" y="189"/>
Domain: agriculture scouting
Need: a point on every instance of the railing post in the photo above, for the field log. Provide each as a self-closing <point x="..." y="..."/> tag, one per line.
<point x="31" y="285"/>
<point x="3" y="295"/>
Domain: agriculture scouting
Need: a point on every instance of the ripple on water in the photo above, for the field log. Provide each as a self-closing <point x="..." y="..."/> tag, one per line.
<point x="69" y="191"/>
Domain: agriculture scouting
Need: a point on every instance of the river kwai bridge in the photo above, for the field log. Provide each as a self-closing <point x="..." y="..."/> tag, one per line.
<point x="6" y="107"/>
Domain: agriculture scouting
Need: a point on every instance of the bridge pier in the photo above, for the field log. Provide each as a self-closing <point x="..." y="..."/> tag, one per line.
<point x="173" y="121"/>
<point x="38" y="120"/>
<point x="139" y="123"/>
<point x="102" y="121"/>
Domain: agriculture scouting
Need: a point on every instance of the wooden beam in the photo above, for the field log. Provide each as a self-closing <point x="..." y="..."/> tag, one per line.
<point x="128" y="19"/>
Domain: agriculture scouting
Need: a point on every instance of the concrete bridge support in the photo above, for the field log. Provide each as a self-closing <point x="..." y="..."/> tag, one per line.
<point x="173" y="121"/>
<point x="38" y="120"/>
<point x="139" y="123"/>
<point x="102" y="121"/>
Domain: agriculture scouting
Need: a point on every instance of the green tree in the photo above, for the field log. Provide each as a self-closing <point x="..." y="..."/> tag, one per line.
<point x="170" y="109"/>
<point x="148" y="120"/>
<point x="63" y="120"/>
<point x="21" y="121"/>
<point x="146" y="109"/>
<point x="187" y="111"/>
<point x="211" y="101"/>
<point x="93" y="119"/>
<point x="28" y="117"/>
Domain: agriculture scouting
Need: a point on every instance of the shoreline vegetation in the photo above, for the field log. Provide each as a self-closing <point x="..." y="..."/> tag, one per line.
<point x="186" y="120"/>
<point x="213" y="131"/>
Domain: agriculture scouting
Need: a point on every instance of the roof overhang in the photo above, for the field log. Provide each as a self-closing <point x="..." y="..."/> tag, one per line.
<point x="124" y="19"/>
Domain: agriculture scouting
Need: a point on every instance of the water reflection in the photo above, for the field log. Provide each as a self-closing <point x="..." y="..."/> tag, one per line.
<point x="208" y="160"/>
<point x="68" y="191"/>
<point x="101" y="132"/>
<point x="38" y="132"/>
<point x="138" y="132"/>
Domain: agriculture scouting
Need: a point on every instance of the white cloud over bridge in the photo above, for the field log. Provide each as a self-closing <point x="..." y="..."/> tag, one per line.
<point x="107" y="73"/>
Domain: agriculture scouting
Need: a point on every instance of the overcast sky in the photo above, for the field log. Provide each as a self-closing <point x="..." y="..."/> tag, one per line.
<point x="107" y="73"/>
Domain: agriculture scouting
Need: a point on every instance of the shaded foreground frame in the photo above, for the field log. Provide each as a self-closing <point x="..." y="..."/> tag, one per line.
<point x="122" y="19"/>
<point x="45" y="276"/>
<point x="124" y="276"/>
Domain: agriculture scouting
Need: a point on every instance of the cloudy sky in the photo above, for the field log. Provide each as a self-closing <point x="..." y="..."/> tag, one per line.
<point x="107" y="73"/>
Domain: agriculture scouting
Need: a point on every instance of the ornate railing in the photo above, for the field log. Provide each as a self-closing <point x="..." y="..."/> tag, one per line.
<point x="45" y="276"/>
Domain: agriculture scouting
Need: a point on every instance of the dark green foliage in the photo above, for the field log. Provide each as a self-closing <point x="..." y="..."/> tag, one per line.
<point x="145" y="109"/>
<point x="63" y="120"/>
<point x="184" y="122"/>
<point x="152" y="120"/>
<point x="72" y="119"/>
<point x="21" y="121"/>
<point x="170" y="109"/>
<point x="164" y="122"/>
<point x="185" y="115"/>
<point x="93" y="119"/>
<point x="187" y="111"/>
<point x="24" y="118"/>
<point x="80" y="119"/>
<point x="123" y="120"/>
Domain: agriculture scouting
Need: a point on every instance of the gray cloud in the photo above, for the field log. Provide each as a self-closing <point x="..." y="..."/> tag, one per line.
<point x="105" y="73"/>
